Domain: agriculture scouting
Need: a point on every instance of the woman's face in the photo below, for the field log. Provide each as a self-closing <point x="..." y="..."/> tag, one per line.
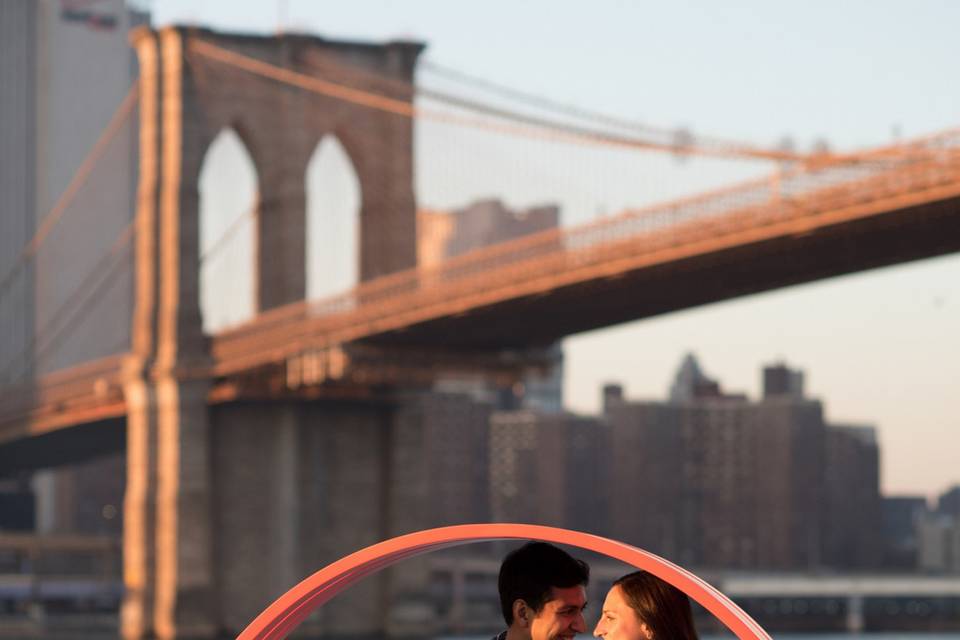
<point x="618" y="621"/>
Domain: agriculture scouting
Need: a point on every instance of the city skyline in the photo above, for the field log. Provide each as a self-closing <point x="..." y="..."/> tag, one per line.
<point x="882" y="344"/>
<point x="675" y="375"/>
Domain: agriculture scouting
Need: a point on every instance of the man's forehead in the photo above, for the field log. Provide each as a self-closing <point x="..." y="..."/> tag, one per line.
<point x="566" y="596"/>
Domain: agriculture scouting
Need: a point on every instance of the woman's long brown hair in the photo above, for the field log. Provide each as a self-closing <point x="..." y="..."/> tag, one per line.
<point x="661" y="606"/>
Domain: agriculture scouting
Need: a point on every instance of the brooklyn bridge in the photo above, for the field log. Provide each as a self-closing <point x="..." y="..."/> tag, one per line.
<point x="232" y="437"/>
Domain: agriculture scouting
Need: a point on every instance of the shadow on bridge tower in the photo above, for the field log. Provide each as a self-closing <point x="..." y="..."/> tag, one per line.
<point x="227" y="506"/>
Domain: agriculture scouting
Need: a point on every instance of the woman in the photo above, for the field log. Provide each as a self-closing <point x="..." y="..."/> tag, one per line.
<point x="641" y="606"/>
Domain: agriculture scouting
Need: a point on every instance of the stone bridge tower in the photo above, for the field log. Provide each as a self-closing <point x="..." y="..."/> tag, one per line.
<point x="173" y="565"/>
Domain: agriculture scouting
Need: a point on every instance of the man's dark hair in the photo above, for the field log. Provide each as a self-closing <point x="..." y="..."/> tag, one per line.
<point x="529" y="572"/>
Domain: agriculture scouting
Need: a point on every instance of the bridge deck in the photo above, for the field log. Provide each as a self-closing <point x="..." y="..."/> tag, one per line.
<point x="539" y="288"/>
<point x="793" y="228"/>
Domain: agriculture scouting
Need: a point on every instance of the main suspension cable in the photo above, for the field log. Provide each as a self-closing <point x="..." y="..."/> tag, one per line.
<point x="518" y="124"/>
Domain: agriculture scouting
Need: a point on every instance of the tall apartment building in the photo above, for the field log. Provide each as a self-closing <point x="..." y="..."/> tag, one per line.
<point x="720" y="481"/>
<point x="650" y="503"/>
<point x="689" y="466"/>
<point x="948" y="503"/>
<point x="780" y="380"/>
<point x="900" y="515"/>
<point x="549" y="468"/>
<point x="65" y="68"/>
<point x="440" y="450"/>
<point x="854" y="519"/>
<point x="790" y="448"/>
<point x="936" y="533"/>
<point x="938" y="543"/>
<point x="447" y="234"/>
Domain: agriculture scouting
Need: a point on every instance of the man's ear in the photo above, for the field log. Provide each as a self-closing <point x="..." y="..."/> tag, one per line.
<point x="521" y="613"/>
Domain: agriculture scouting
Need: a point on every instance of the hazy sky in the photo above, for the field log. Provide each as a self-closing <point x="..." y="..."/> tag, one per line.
<point x="878" y="348"/>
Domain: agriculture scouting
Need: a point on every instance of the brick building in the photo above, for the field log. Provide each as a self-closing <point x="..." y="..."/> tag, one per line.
<point x="64" y="72"/>
<point x="938" y="543"/>
<point x="720" y="481"/>
<point x="948" y="502"/>
<point x="899" y="517"/>
<point x="549" y="469"/>
<point x="853" y="535"/>
<point x="441" y="460"/>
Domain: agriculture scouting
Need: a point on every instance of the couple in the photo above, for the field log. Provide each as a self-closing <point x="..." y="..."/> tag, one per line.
<point x="543" y="596"/>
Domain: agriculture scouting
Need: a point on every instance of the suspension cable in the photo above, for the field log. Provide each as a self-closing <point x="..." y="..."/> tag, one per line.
<point x="229" y="233"/>
<point x="732" y="148"/>
<point x="726" y="147"/>
<point x="79" y="179"/>
<point x="75" y="308"/>
<point x="520" y="125"/>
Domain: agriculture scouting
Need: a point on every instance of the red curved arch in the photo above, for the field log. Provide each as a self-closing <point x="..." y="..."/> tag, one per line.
<point x="290" y="609"/>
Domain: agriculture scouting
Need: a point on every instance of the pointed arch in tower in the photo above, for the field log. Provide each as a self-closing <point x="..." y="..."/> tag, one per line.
<point x="334" y="200"/>
<point x="228" y="189"/>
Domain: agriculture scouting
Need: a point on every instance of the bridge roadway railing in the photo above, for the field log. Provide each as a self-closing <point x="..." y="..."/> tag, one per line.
<point x="871" y="183"/>
<point x="86" y="392"/>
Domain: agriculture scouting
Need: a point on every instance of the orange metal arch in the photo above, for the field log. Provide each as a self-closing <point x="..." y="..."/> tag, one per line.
<point x="284" y="615"/>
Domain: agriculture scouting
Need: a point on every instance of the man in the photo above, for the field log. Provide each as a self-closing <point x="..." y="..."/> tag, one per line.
<point x="542" y="593"/>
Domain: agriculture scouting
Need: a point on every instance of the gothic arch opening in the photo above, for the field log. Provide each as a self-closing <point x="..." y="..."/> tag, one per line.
<point x="228" y="200"/>
<point x="333" y="221"/>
